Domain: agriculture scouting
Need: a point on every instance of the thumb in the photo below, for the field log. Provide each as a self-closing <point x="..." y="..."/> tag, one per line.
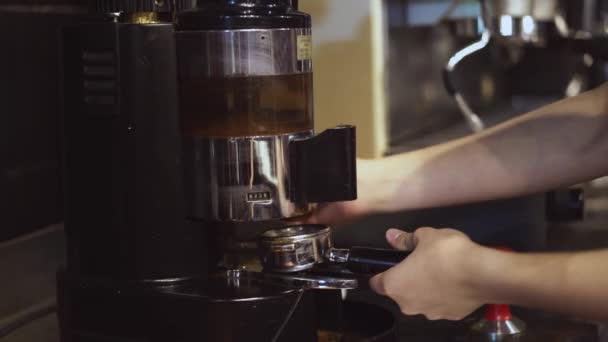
<point x="400" y="240"/>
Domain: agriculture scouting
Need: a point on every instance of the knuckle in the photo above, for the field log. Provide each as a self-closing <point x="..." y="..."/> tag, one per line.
<point x="432" y="317"/>
<point x="423" y="231"/>
<point x="451" y="232"/>
<point x="406" y="310"/>
<point x="456" y="317"/>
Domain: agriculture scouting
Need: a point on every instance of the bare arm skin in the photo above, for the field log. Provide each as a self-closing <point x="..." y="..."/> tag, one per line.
<point x="574" y="283"/>
<point x="557" y="145"/>
<point x="448" y="276"/>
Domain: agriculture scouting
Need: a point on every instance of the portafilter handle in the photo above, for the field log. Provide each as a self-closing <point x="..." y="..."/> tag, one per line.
<point x="366" y="260"/>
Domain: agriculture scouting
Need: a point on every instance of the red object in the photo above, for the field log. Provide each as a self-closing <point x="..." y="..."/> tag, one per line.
<point x="498" y="320"/>
<point x="498" y="312"/>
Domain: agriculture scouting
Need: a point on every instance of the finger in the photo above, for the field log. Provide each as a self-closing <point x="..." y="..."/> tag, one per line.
<point x="377" y="284"/>
<point x="330" y="214"/>
<point x="400" y="240"/>
<point x="321" y="214"/>
<point x="314" y="219"/>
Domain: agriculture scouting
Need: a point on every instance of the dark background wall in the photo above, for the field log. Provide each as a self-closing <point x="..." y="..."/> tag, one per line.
<point x="30" y="191"/>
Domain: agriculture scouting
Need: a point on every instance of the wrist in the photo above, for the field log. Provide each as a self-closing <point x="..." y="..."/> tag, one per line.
<point x="382" y="187"/>
<point x="488" y="272"/>
<point x="371" y="187"/>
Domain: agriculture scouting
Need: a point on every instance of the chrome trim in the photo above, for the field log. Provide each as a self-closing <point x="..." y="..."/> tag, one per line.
<point x="522" y="30"/>
<point x="539" y="9"/>
<point x="496" y="330"/>
<point x="295" y="233"/>
<point x="244" y="52"/>
<point x="472" y="119"/>
<point x="285" y="253"/>
<point x="468" y="51"/>
<point x="166" y="280"/>
<point x="316" y="282"/>
<point x="304" y="281"/>
<point x="241" y="179"/>
<point x="337" y="255"/>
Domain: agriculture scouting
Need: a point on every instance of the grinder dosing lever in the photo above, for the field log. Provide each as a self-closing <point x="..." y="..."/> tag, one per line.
<point x="301" y="247"/>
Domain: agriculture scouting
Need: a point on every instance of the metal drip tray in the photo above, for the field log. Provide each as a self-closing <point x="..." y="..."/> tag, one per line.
<point x="234" y="288"/>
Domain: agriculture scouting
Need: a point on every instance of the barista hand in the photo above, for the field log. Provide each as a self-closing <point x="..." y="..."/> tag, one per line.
<point x="448" y="276"/>
<point x="434" y="280"/>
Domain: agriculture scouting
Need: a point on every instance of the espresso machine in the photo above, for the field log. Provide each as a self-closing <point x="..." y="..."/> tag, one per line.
<point x="518" y="26"/>
<point x="188" y="145"/>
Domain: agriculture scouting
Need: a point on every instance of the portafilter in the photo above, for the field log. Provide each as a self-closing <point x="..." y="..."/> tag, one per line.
<point x="302" y="247"/>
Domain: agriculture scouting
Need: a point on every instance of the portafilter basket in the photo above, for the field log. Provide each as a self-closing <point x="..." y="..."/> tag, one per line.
<point x="301" y="247"/>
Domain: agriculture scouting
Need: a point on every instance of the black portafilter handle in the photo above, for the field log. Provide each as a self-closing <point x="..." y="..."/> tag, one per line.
<point x="366" y="260"/>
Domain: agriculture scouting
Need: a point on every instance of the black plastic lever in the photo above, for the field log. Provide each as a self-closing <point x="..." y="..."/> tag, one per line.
<point x="323" y="168"/>
<point x="365" y="260"/>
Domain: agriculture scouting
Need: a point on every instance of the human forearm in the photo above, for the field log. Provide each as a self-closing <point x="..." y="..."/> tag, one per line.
<point x="554" y="146"/>
<point x="574" y="283"/>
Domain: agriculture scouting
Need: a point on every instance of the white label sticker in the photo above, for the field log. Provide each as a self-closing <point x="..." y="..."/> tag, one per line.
<point x="304" y="47"/>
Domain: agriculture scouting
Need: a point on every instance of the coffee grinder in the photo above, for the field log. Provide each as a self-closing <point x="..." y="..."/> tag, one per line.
<point x="188" y="133"/>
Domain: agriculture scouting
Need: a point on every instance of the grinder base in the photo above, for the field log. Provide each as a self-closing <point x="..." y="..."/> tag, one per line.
<point x="213" y="310"/>
<point x="187" y="311"/>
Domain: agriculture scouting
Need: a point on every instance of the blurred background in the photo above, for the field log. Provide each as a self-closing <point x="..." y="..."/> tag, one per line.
<point x="378" y="65"/>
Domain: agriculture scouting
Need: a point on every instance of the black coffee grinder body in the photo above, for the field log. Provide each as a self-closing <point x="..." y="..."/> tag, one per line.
<point x="184" y="139"/>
